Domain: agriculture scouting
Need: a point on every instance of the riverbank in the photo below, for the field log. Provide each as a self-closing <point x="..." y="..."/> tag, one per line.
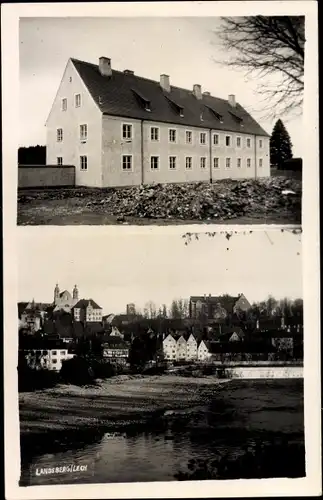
<point x="224" y="421"/>
<point x="119" y="401"/>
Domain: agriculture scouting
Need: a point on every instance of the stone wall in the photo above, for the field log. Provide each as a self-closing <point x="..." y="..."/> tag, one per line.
<point x="45" y="176"/>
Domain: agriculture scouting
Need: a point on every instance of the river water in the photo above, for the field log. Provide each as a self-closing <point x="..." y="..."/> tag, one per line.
<point x="243" y="413"/>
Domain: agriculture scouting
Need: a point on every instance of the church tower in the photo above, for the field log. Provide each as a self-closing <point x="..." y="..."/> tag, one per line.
<point x="75" y="293"/>
<point x="56" y="293"/>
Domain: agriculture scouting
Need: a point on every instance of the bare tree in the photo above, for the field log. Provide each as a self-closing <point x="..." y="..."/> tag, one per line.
<point x="270" y="47"/>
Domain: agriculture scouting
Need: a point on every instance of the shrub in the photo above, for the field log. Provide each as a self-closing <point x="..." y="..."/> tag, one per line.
<point x="77" y="371"/>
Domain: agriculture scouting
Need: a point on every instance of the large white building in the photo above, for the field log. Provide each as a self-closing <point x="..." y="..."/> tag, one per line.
<point x="120" y="129"/>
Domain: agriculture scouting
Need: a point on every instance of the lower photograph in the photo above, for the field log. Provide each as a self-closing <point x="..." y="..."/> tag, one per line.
<point x="164" y="356"/>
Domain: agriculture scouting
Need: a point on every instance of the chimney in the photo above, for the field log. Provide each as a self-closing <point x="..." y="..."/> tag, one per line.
<point x="129" y="72"/>
<point x="206" y="93"/>
<point x="197" y="91"/>
<point x="164" y="82"/>
<point x="105" y="66"/>
<point x="232" y="100"/>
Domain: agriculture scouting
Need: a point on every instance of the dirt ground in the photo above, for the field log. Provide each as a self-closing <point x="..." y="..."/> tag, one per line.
<point x="121" y="399"/>
<point x="276" y="200"/>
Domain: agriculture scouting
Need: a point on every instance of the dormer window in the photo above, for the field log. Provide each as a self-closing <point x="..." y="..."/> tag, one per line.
<point x="145" y="103"/>
<point x="237" y="118"/>
<point x="216" y="114"/>
<point x="178" y="107"/>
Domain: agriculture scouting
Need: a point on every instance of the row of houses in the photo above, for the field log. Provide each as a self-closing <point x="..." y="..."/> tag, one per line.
<point x="234" y="342"/>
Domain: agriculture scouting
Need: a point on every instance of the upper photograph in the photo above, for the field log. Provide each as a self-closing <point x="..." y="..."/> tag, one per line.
<point x="161" y="120"/>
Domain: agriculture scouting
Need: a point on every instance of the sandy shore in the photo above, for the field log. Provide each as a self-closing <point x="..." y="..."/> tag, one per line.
<point x="121" y="400"/>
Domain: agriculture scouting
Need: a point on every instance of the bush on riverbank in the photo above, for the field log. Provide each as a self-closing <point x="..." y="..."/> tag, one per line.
<point x="270" y="460"/>
<point x="32" y="380"/>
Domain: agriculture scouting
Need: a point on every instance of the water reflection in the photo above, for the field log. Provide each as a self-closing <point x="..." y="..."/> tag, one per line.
<point x="156" y="452"/>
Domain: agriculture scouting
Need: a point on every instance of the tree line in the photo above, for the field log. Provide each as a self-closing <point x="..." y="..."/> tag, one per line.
<point x="32" y="155"/>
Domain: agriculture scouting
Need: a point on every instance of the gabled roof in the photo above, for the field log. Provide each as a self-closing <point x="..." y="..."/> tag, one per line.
<point x="227" y="302"/>
<point x="83" y="304"/>
<point x="118" y="95"/>
<point x="115" y="342"/>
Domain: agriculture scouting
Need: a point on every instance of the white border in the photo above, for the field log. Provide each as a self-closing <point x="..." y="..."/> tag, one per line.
<point x="311" y="485"/>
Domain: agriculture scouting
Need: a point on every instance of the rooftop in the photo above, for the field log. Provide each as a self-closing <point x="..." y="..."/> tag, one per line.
<point x="127" y="95"/>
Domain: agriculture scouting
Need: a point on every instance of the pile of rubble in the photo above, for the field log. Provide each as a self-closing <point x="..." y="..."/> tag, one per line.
<point x="225" y="199"/>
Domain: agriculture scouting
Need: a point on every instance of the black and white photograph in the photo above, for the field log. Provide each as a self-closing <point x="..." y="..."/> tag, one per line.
<point x="189" y="369"/>
<point x="161" y="249"/>
<point x="205" y="126"/>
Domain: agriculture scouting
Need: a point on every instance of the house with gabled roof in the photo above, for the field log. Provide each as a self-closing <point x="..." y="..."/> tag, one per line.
<point x="217" y="308"/>
<point x="87" y="310"/>
<point x="120" y="129"/>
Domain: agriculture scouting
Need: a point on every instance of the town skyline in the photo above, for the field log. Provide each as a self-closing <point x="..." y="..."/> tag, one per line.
<point x="159" y="267"/>
<point x="47" y="44"/>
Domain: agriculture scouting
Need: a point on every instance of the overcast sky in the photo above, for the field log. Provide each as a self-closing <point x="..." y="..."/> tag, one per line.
<point x="118" y="269"/>
<point x="184" y="48"/>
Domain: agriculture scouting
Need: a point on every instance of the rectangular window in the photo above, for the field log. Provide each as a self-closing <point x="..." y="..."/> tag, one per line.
<point x="83" y="132"/>
<point x="228" y="163"/>
<point x="126" y="162"/>
<point x="172" y="162"/>
<point x="238" y="142"/>
<point x="228" y="140"/>
<point x="188" y="163"/>
<point x="188" y="137"/>
<point x="172" y="135"/>
<point x="248" y="142"/>
<point x="154" y="133"/>
<point x="216" y="139"/>
<point x="203" y="162"/>
<point x="202" y="138"/>
<point x="239" y="162"/>
<point x="248" y="162"/>
<point x="64" y="104"/>
<point x="126" y="131"/>
<point x="59" y="160"/>
<point x="216" y="162"/>
<point x="83" y="162"/>
<point x="260" y="143"/>
<point x="154" y="162"/>
<point x="63" y="353"/>
<point x="77" y="100"/>
<point x="54" y="353"/>
<point x="260" y="162"/>
<point x="54" y="361"/>
<point x="59" y="135"/>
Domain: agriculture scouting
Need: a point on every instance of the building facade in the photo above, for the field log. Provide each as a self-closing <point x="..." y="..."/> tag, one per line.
<point x="65" y="300"/>
<point x="49" y="359"/>
<point x="217" y="307"/>
<point x="119" y="129"/>
<point x="87" y="311"/>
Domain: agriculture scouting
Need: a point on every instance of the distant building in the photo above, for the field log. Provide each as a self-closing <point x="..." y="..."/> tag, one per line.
<point x="191" y="347"/>
<point x="181" y="349"/>
<point x="65" y="300"/>
<point x="86" y="310"/>
<point x="170" y="348"/>
<point x="115" y="349"/>
<point x="47" y="356"/>
<point x="217" y="307"/>
<point x="131" y="309"/>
